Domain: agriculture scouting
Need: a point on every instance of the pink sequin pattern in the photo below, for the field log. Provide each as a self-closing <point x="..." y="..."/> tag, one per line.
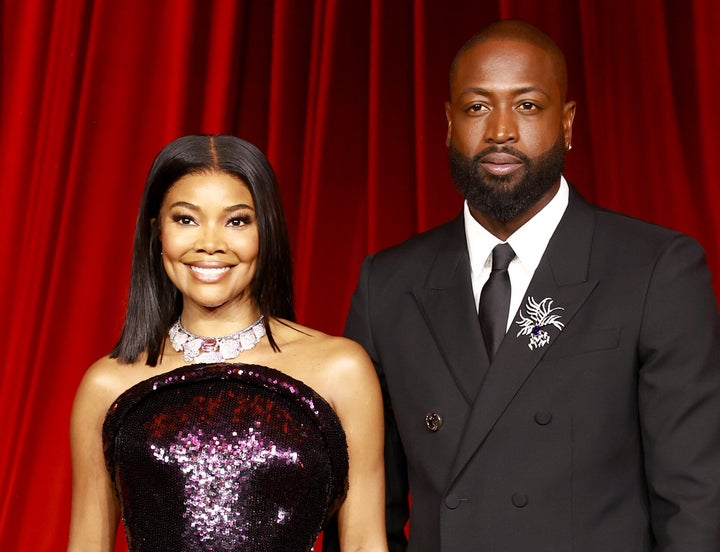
<point x="225" y="457"/>
<point x="215" y="469"/>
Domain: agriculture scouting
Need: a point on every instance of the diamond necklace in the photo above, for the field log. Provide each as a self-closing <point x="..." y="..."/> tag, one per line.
<point x="196" y="348"/>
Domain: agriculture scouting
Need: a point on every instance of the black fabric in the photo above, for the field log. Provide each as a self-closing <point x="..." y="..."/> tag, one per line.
<point x="495" y="299"/>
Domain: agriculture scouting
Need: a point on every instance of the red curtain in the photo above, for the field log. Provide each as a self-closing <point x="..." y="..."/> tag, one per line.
<point x="346" y="98"/>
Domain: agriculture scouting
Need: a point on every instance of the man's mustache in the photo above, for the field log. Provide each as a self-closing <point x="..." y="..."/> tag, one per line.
<point x="509" y="150"/>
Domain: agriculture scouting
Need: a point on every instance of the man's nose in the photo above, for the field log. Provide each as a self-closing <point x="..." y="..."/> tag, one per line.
<point x="501" y="126"/>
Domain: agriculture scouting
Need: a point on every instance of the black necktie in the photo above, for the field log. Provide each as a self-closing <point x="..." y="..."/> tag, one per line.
<point x="495" y="299"/>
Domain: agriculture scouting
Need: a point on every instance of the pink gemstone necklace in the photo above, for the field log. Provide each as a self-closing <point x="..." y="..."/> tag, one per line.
<point x="198" y="349"/>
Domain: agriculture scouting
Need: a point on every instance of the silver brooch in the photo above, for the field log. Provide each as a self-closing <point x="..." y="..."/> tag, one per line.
<point x="196" y="348"/>
<point x="539" y="315"/>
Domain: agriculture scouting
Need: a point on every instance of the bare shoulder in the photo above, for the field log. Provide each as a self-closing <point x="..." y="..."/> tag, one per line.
<point x="333" y="365"/>
<point x="99" y="379"/>
<point x="102" y="378"/>
<point x="349" y="371"/>
<point x="343" y="373"/>
<point x="101" y="384"/>
<point x="338" y="351"/>
<point x="344" y="358"/>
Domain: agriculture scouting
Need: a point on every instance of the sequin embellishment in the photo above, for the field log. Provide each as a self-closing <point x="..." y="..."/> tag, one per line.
<point x="225" y="457"/>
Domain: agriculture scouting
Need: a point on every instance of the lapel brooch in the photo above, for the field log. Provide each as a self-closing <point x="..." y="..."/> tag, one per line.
<point x="539" y="315"/>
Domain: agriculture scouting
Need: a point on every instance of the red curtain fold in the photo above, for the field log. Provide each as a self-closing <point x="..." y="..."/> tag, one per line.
<point x="346" y="98"/>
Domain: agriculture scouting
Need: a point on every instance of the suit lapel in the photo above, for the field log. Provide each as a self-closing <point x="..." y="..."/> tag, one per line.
<point x="561" y="277"/>
<point x="447" y="304"/>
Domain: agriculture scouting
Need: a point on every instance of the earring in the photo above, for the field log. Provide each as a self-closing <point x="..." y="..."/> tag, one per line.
<point x="568" y="147"/>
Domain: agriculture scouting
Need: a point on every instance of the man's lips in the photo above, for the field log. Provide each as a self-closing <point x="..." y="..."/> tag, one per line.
<point x="500" y="164"/>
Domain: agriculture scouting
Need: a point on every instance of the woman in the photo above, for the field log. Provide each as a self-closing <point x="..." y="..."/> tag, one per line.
<point x="217" y="423"/>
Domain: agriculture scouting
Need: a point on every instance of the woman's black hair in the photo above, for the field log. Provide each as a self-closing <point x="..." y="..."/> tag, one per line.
<point x="154" y="303"/>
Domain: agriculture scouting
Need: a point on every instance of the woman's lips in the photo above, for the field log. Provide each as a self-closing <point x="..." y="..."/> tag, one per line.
<point x="209" y="273"/>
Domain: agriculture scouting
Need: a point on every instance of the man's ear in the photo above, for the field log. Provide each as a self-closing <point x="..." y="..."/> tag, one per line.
<point x="567" y="122"/>
<point x="449" y="124"/>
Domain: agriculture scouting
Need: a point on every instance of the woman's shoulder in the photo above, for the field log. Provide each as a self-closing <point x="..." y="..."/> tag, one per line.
<point x="101" y="377"/>
<point x="107" y="378"/>
<point x="332" y="348"/>
<point x="327" y="362"/>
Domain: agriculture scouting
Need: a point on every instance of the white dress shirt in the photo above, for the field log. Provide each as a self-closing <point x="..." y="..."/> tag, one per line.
<point x="529" y="243"/>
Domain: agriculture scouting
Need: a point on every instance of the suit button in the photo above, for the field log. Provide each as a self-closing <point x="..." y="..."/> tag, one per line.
<point x="519" y="500"/>
<point x="543" y="417"/>
<point x="452" y="501"/>
<point x="433" y="421"/>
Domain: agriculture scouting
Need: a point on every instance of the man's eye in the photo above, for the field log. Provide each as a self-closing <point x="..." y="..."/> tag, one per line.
<point x="527" y="106"/>
<point x="476" y="107"/>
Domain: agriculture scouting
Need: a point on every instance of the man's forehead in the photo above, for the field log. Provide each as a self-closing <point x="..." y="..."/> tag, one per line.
<point x="505" y="47"/>
<point x="504" y="57"/>
<point x="516" y="62"/>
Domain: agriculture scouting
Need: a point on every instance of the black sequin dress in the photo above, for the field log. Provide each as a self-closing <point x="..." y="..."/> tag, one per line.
<point x="219" y="457"/>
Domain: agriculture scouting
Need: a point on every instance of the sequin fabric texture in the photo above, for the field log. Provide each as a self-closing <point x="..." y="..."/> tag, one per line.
<point x="225" y="457"/>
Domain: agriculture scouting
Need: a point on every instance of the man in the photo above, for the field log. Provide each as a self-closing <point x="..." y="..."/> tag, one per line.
<point x="593" y="423"/>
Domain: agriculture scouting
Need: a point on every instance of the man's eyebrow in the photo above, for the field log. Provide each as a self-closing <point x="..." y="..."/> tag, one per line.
<point x="480" y="91"/>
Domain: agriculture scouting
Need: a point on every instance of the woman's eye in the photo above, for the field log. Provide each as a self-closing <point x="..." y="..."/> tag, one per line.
<point x="239" y="221"/>
<point x="184" y="220"/>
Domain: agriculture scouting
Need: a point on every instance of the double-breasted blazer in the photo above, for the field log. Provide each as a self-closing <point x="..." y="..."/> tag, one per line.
<point x="594" y="431"/>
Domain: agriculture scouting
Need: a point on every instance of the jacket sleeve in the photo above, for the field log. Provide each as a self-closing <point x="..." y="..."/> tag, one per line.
<point x="679" y="401"/>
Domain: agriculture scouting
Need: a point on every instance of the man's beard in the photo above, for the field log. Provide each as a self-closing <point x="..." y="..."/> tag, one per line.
<point x="502" y="198"/>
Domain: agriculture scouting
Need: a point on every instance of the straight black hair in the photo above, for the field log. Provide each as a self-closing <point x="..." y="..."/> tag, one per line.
<point x="154" y="303"/>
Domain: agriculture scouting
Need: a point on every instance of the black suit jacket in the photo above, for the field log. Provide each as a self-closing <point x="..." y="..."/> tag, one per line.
<point x="606" y="437"/>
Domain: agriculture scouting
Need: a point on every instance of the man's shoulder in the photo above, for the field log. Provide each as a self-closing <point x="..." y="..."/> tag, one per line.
<point x="636" y="233"/>
<point x="425" y="244"/>
<point x="627" y="231"/>
<point x="410" y="261"/>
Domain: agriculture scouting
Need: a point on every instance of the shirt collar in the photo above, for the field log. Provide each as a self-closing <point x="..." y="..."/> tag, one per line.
<point x="529" y="241"/>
